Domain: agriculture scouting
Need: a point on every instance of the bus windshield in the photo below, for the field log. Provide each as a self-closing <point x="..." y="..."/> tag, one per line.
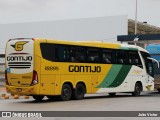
<point x="148" y="63"/>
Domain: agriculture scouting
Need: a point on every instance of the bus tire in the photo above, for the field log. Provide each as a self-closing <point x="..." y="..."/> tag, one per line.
<point x="79" y="92"/>
<point x="66" y="92"/>
<point x="38" y="97"/>
<point x="112" y="94"/>
<point x="137" y="89"/>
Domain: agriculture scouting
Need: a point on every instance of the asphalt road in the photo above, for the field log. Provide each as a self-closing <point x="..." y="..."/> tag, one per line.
<point x="100" y="102"/>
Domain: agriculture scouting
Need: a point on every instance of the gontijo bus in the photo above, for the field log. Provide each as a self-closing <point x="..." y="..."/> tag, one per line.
<point x="43" y="67"/>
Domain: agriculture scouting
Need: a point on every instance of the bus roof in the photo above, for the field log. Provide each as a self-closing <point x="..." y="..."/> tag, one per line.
<point x="94" y="44"/>
<point x="134" y="47"/>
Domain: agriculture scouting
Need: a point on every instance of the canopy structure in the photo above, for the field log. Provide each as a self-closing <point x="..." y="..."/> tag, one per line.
<point x="142" y="28"/>
<point x="140" y="40"/>
<point x="146" y="34"/>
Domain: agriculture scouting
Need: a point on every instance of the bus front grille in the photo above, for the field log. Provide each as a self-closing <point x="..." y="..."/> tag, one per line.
<point x="19" y="65"/>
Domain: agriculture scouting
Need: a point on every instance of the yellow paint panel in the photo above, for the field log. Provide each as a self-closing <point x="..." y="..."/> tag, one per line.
<point x="34" y="90"/>
<point x="57" y="85"/>
<point x="20" y="79"/>
<point x="47" y="84"/>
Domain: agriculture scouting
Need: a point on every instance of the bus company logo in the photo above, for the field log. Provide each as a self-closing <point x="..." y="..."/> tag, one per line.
<point x="19" y="45"/>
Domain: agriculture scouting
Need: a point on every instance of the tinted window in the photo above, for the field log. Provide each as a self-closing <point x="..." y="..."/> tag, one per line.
<point x="148" y="63"/>
<point x="77" y="54"/>
<point x="49" y="51"/>
<point x="134" y="58"/>
<point x="120" y="57"/>
<point x="107" y="56"/>
<point x="72" y="53"/>
<point x="93" y="55"/>
<point x="63" y="53"/>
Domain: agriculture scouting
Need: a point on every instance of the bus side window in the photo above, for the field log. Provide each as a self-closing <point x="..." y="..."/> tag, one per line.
<point x="121" y="57"/>
<point x="63" y="53"/>
<point x="77" y="54"/>
<point x="107" y="56"/>
<point x="134" y="58"/>
<point x="93" y="55"/>
<point x="49" y="51"/>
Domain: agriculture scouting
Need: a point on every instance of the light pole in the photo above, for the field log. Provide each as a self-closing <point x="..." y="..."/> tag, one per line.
<point x="135" y="32"/>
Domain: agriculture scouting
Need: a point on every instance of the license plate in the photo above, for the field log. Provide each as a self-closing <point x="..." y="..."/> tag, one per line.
<point x="19" y="89"/>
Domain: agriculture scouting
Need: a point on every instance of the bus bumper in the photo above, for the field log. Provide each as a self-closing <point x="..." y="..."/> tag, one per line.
<point x="30" y="90"/>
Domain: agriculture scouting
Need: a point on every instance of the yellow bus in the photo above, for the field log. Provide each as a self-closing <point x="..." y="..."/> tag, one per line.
<point x="69" y="70"/>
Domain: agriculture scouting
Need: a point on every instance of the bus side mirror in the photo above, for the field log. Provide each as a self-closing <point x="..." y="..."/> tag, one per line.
<point x="154" y="60"/>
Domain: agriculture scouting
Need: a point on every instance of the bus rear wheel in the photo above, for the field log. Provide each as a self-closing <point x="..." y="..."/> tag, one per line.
<point x="137" y="89"/>
<point x="38" y="97"/>
<point x="66" y="92"/>
<point x="79" y="92"/>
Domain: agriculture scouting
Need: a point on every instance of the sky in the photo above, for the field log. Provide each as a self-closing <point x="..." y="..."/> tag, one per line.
<point x="15" y="11"/>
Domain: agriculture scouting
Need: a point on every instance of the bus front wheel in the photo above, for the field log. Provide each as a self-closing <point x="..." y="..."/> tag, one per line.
<point x="66" y="92"/>
<point x="38" y="97"/>
<point x="137" y="89"/>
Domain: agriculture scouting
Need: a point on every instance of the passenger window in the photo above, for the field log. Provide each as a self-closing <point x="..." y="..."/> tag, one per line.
<point x="77" y="54"/>
<point x="93" y="55"/>
<point x="49" y="51"/>
<point x="120" y="57"/>
<point x="134" y="59"/>
<point x="107" y="56"/>
<point x="63" y="53"/>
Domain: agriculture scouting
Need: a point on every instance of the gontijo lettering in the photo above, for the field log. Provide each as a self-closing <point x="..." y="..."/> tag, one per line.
<point x="19" y="58"/>
<point x="76" y="68"/>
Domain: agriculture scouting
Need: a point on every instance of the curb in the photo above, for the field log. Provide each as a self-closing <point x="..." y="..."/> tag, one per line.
<point x="5" y="95"/>
<point x="11" y="96"/>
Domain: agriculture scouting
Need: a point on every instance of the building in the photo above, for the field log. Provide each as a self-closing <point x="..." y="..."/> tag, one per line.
<point x="98" y="28"/>
<point x="142" y="28"/>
